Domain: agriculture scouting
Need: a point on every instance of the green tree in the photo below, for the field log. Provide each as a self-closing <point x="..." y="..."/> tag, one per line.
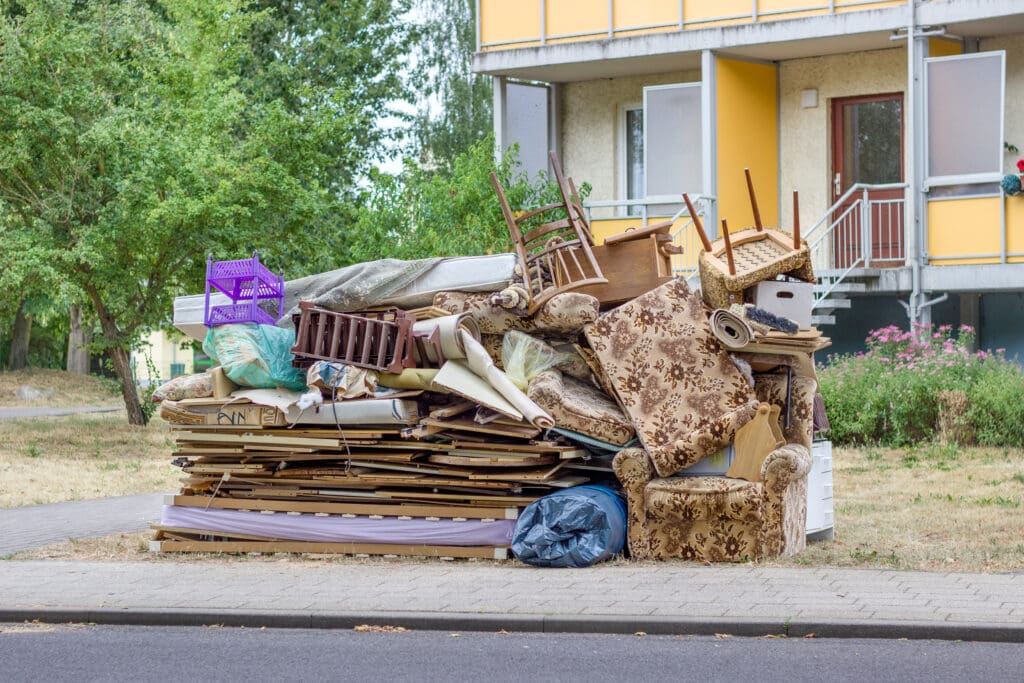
<point x="456" y="104"/>
<point x="421" y="213"/>
<point x="135" y="137"/>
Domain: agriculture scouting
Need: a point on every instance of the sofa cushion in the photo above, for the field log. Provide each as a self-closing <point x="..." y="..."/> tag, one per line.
<point x="682" y="392"/>
<point x="580" y="407"/>
<point x="563" y="313"/>
<point x="712" y="519"/>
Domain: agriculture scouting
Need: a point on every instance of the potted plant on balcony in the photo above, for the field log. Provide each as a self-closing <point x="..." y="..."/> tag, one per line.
<point x="1011" y="182"/>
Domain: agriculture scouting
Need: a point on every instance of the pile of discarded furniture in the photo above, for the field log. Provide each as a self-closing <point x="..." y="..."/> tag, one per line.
<point x="561" y="401"/>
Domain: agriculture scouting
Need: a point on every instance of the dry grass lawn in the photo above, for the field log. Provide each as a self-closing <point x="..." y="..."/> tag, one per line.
<point x="66" y="389"/>
<point x="932" y="508"/>
<point x="75" y="457"/>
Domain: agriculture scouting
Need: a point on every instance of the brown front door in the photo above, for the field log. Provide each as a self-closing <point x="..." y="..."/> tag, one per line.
<point x="867" y="147"/>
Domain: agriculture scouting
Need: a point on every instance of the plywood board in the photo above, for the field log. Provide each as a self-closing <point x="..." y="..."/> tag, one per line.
<point x="521" y="430"/>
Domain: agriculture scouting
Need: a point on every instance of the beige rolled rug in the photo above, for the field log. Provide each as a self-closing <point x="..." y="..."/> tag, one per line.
<point x="733" y="331"/>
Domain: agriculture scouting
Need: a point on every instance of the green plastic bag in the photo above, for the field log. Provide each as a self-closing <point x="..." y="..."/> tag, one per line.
<point x="524" y="357"/>
<point x="258" y="356"/>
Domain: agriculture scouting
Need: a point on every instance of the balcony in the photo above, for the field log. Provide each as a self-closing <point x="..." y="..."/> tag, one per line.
<point x="507" y="25"/>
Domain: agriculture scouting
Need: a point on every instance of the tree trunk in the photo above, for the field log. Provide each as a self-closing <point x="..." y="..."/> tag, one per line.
<point x="119" y="359"/>
<point x="123" y="368"/>
<point x="19" y="342"/>
<point x="78" y="343"/>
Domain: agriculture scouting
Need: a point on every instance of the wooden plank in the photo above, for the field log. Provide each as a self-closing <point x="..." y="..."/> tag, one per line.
<point x="386" y="510"/>
<point x="268" y="440"/>
<point x="485" y="552"/>
<point x="522" y="430"/>
<point x="491" y="460"/>
<point x="417" y="495"/>
<point x="538" y="447"/>
<point x="540" y="474"/>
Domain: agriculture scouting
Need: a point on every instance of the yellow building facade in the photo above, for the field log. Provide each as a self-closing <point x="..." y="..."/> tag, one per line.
<point x="896" y="122"/>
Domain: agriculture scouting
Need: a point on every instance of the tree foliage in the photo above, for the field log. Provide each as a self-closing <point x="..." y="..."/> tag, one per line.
<point x="456" y="104"/>
<point x="138" y="136"/>
<point x="421" y="213"/>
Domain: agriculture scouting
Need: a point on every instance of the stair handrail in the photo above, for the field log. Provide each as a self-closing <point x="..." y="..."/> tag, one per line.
<point x="815" y="237"/>
<point x="856" y="187"/>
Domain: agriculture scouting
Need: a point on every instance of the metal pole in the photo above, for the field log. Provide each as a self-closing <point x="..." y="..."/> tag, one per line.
<point x="543" y="22"/>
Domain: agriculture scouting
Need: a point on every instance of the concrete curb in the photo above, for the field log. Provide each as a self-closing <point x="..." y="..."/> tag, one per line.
<point x="524" y="623"/>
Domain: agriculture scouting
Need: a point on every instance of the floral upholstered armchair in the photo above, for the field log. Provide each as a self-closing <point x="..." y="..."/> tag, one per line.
<point x="711" y="518"/>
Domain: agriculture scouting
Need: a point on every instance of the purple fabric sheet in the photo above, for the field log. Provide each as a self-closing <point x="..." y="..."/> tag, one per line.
<point x="337" y="529"/>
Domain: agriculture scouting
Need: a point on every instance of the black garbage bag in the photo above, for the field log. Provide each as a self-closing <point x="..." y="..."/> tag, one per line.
<point x="574" y="527"/>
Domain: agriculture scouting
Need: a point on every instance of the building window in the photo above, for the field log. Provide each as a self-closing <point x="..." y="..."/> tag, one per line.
<point x="965" y="100"/>
<point x="661" y="147"/>
<point x="632" y="157"/>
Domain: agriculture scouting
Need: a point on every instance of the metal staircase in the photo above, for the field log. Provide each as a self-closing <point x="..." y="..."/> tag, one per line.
<point x="842" y="246"/>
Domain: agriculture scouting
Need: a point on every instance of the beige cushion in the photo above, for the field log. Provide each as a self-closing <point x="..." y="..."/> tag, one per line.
<point x="580" y="407"/>
<point x="564" y="313"/>
<point x="681" y="391"/>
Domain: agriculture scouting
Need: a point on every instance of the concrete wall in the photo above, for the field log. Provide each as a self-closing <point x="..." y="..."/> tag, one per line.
<point x="805" y="135"/>
<point x="590" y="127"/>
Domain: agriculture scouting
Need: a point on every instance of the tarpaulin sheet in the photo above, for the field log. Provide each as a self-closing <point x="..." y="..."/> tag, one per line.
<point x="337" y="529"/>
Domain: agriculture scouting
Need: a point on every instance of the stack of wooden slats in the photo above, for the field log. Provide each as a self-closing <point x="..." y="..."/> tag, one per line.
<point x="444" y="465"/>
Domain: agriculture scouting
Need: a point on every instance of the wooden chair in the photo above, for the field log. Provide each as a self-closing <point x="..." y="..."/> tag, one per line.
<point x="553" y="243"/>
<point x="740" y="260"/>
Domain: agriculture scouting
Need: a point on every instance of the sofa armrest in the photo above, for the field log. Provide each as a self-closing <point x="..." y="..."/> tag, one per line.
<point x="784" y="465"/>
<point x="634" y="469"/>
<point x="784" y="529"/>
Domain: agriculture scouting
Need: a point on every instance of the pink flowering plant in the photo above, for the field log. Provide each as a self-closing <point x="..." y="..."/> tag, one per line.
<point x="889" y="395"/>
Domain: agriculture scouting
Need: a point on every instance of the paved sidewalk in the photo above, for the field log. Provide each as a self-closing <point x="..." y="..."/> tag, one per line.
<point x="617" y="597"/>
<point x="24" y="413"/>
<point x="39" y="525"/>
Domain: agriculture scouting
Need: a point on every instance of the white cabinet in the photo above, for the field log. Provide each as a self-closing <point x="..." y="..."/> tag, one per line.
<point x="820" y="511"/>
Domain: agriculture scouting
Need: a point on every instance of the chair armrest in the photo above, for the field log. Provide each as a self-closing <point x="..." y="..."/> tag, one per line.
<point x="634" y="469"/>
<point x="785" y="465"/>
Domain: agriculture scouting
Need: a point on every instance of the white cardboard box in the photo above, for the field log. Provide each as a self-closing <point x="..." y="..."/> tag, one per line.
<point x="793" y="300"/>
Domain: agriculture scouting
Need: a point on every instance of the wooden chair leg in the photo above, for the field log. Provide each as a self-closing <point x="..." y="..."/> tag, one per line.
<point x="728" y="247"/>
<point x="697" y="224"/>
<point x="753" y="200"/>
<point x="796" y="220"/>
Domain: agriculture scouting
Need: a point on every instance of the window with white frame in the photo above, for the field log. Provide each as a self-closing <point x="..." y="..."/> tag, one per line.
<point x="965" y="100"/>
<point x="631" y="154"/>
<point x="661" y="147"/>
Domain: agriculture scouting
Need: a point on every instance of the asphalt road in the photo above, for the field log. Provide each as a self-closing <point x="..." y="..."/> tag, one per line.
<point x="36" y="652"/>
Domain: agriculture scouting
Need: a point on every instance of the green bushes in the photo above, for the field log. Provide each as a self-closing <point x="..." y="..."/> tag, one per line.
<point x="895" y="393"/>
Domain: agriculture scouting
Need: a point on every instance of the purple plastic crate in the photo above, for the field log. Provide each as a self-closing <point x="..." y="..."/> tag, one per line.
<point x="238" y="313"/>
<point x="247" y="282"/>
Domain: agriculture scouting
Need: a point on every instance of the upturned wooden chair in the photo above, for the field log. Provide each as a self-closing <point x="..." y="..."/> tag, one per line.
<point x="739" y="260"/>
<point x="553" y="243"/>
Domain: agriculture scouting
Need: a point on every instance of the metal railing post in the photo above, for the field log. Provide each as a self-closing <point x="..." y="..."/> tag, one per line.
<point x="865" y="225"/>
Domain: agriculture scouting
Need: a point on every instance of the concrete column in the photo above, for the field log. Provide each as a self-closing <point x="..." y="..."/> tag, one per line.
<point x="970" y="314"/>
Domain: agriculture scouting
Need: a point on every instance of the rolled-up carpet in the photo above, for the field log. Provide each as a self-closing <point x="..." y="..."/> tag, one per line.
<point x="574" y="527"/>
<point x="733" y="331"/>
